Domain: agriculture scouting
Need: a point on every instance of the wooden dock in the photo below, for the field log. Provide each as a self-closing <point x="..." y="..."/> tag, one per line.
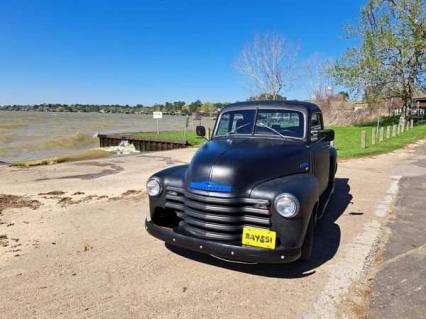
<point x="141" y="144"/>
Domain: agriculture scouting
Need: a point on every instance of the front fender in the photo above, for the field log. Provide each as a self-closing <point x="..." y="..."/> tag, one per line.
<point x="171" y="176"/>
<point x="290" y="231"/>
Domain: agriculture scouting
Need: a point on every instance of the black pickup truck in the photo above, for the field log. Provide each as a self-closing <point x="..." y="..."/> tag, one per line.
<point x="255" y="190"/>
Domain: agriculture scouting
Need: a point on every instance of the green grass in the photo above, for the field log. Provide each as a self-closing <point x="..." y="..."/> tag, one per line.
<point x="348" y="141"/>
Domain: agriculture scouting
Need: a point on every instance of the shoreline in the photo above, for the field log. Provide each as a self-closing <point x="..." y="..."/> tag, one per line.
<point x="76" y="157"/>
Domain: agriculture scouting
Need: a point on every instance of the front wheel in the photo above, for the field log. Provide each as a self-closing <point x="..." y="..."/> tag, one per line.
<point x="308" y="243"/>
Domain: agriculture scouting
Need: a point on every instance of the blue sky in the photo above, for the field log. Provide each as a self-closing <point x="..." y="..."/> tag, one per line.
<point x="129" y="52"/>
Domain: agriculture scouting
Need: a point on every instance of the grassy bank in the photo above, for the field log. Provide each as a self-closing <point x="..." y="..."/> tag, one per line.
<point x="348" y="141"/>
<point x="86" y="155"/>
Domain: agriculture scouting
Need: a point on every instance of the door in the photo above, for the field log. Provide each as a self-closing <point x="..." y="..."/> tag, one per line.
<point x="320" y="152"/>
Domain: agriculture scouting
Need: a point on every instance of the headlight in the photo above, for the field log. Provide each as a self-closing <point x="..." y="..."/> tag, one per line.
<point x="286" y="205"/>
<point x="153" y="187"/>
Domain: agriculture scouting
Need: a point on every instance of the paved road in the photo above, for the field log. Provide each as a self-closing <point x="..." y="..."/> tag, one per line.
<point x="399" y="288"/>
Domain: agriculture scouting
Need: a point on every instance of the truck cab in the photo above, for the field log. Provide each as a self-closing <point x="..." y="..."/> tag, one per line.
<point x="255" y="190"/>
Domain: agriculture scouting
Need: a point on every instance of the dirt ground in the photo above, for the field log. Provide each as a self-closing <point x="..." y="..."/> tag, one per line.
<point x="73" y="244"/>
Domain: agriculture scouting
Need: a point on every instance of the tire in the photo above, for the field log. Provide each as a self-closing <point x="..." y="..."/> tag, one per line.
<point x="308" y="243"/>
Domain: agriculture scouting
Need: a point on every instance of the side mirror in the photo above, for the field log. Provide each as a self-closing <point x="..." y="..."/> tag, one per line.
<point x="200" y="131"/>
<point x="326" y="135"/>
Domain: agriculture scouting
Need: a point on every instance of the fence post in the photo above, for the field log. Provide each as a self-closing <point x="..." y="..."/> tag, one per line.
<point x="363" y="139"/>
<point x="412" y="123"/>
<point x="388" y="132"/>
<point x="373" y="136"/>
<point x="408" y="125"/>
<point x="394" y="130"/>
<point x="382" y="131"/>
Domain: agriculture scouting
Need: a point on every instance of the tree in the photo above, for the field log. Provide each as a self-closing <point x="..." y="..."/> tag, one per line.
<point x="317" y="79"/>
<point x="391" y="60"/>
<point x="266" y="96"/>
<point x="208" y="107"/>
<point x="267" y="62"/>
<point x="195" y="106"/>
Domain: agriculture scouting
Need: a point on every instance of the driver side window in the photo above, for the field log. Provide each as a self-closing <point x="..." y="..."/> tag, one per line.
<point x="316" y="125"/>
<point x="223" y="127"/>
<point x="239" y="122"/>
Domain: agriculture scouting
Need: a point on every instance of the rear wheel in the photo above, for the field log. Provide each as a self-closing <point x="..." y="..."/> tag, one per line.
<point x="308" y="243"/>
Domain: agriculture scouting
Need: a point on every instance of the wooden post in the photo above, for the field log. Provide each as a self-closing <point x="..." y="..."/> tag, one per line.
<point x="402" y="128"/>
<point x="363" y="139"/>
<point x="381" y="136"/>
<point x="210" y="133"/>
<point x="394" y="130"/>
<point x="412" y="123"/>
<point x="373" y="136"/>
<point x="388" y="131"/>
<point x="186" y="126"/>
<point x="408" y="125"/>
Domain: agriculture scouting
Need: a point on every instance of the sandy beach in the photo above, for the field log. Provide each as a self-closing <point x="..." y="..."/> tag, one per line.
<point x="73" y="244"/>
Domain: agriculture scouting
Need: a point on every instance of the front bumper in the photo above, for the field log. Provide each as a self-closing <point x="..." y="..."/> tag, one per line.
<point x="225" y="251"/>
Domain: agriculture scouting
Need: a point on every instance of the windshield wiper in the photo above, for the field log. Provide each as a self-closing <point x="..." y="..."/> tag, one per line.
<point x="234" y="130"/>
<point x="273" y="130"/>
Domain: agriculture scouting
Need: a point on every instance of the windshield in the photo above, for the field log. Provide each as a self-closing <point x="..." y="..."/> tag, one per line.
<point x="285" y="123"/>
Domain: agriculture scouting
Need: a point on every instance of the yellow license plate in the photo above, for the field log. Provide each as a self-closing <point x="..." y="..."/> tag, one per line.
<point x="259" y="237"/>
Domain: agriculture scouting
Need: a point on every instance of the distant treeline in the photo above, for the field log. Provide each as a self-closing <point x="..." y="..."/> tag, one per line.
<point x="178" y="107"/>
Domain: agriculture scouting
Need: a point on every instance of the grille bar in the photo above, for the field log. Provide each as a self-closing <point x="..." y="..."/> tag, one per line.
<point x="210" y="235"/>
<point x="219" y="200"/>
<point x="212" y="226"/>
<point x="228" y="219"/>
<point x="224" y="209"/>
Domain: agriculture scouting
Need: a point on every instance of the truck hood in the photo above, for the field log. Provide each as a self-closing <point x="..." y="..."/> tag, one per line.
<point x="236" y="165"/>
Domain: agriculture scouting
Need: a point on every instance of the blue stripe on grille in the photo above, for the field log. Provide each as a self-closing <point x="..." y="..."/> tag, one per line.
<point x="206" y="186"/>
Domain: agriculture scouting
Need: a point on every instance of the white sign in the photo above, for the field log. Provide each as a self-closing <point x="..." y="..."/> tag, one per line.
<point x="157" y="115"/>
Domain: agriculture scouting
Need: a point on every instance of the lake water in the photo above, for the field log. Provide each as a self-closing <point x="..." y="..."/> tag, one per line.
<point x="37" y="135"/>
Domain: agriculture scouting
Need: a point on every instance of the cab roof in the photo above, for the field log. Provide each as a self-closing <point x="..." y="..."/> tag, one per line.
<point x="310" y="107"/>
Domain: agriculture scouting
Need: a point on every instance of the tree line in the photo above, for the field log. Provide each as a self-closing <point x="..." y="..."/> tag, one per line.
<point x="173" y="108"/>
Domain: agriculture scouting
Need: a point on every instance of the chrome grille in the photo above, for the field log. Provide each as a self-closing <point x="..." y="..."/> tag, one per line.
<point x="217" y="218"/>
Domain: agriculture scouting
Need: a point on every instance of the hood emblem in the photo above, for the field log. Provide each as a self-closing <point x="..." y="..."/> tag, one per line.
<point x="209" y="186"/>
